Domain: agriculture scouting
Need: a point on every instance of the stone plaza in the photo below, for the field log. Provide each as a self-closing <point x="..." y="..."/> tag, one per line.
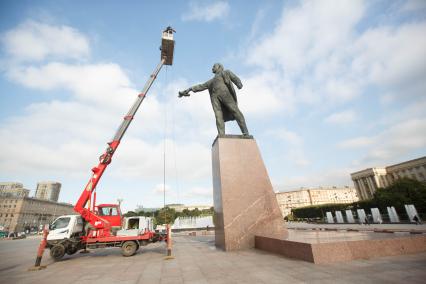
<point x="196" y="260"/>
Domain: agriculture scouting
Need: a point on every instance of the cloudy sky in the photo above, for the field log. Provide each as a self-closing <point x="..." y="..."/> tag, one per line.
<point x="330" y="87"/>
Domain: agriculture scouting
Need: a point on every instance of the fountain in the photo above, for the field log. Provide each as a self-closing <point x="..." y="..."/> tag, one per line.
<point x="339" y="217"/>
<point x="349" y="216"/>
<point x="393" y="216"/>
<point x="330" y="218"/>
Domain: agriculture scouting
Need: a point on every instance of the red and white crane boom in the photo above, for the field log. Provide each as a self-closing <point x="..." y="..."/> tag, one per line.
<point x="83" y="205"/>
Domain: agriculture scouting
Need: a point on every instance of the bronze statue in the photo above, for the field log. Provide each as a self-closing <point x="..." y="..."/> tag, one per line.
<point x="222" y="97"/>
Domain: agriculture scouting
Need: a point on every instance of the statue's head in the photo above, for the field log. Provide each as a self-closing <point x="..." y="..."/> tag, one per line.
<point x="217" y="67"/>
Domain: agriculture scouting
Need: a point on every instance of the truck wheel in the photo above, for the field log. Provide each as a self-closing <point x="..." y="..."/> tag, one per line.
<point x="57" y="252"/>
<point x="129" y="248"/>
<point x="71" y="250"/>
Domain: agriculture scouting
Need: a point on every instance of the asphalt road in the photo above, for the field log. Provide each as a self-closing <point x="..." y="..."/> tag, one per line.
<point x="19" y="254"/>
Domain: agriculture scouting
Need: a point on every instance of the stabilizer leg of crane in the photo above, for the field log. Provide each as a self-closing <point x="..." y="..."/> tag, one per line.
<point x="84" y="251"/>
<point x="40" y="252"/>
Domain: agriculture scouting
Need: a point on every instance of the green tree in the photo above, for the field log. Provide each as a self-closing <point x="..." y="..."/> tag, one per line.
<point x="185" y="212"/>
<point x="130" y="214"/>
<point x="402" y="191"/>
<point x="196" y="212"/>
<point x="165" y="216"/>
<point x="318" y="211"/>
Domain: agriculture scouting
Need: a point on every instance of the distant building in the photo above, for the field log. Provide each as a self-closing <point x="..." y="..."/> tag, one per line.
<point x="140" y="208"/>
<point x="13" y="189"/>
<point x="181" y="207"/>
<point x="48" y="190"/>
<point x="369" y="180"/>
<point x="313" y="196"/>
<point x="18" y="214"/>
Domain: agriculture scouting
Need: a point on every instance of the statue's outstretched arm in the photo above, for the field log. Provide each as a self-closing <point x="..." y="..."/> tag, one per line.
<point x="196" y="88"/>
<point x="201" y="87"/>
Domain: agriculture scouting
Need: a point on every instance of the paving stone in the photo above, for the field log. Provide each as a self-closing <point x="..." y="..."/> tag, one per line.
<point x="195" y="261"/>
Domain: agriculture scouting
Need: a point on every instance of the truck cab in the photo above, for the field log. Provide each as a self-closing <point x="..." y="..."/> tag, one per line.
<point x="65" y="227"/>
<point x="111" y="213"/>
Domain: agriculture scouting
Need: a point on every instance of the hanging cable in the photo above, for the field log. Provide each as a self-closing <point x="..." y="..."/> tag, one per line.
<point x="164" y="155"/>
<point x="177" y="186"/>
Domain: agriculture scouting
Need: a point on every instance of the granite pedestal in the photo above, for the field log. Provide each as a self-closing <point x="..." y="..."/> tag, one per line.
<point x="244" y="201"/>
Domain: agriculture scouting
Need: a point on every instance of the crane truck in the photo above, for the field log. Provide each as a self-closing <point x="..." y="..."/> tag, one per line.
<point x="100" y="226"/>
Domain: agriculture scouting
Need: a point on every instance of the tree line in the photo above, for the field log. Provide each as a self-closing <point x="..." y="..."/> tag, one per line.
<point x="168" y="215"/>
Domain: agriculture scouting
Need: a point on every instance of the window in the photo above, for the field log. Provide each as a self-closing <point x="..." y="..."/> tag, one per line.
<point x="108" y="211"/>
<point x="60" y="223"/>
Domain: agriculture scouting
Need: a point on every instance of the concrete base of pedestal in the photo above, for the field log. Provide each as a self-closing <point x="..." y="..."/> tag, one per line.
<point x="244" y="201"/>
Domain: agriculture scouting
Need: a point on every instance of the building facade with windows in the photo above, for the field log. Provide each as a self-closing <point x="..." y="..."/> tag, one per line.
<point x="314" y="196"/>
<point x="19" y="214"/>
<point x="48" y="190"/>
<point x="369" y="180"/>
<point x="13" y="189"/>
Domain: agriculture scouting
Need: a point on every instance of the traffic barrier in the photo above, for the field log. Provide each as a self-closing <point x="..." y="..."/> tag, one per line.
<point x="169" y="243"/>
<point x="40" y="251"/>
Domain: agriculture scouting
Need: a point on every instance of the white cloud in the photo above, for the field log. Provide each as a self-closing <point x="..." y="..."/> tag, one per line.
<point x="160" y="188"/>
<point x="303" y="60"/>
<point x="342" y="117"/>
<point x="66" y="137"/>
<point x="307" y="34"/>
<point x="359" y="142"/>
<point x="393" y="58"/>
<point x="265" y="93"/>
<point x="190" y="195"/>
<point x="396" y="140"/>
<point x="138" y="158"/>
<point x="325" y="177"/>
<point x="59" y="137"/>
<point x="288" y="136"/>
<point x="203" y="192"/>
<point x="105" y="84"/>
<point x="317" y="50"/>
<point x="294" y="148"/>
<point x="414" y="5"/>
<point x="35" y="41"/>
<point x="191" y="115"/>
<point x="207" y="13"/>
